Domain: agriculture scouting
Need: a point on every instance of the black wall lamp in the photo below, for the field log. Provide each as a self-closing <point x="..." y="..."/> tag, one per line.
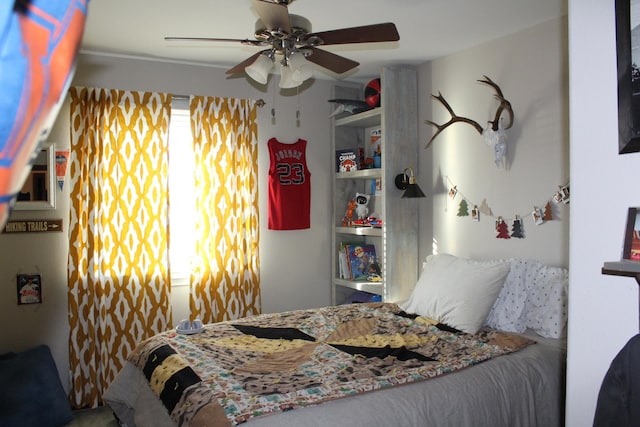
<point x="407" y="181"/>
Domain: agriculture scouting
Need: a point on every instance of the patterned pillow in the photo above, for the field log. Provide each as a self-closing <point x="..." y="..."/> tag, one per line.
<point x="546" y="306"/>
<point x="507" y="314"/>
<point x="534" y="296"/>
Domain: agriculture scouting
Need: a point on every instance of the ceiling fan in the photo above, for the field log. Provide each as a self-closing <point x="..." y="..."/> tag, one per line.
<point x="290" y="36"/>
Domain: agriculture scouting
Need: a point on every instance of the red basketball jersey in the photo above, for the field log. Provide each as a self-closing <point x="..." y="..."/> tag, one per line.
<point x="289" y="186"/>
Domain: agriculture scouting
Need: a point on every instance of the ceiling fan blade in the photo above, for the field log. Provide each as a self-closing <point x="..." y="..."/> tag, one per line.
<point x="274" y="16"/>
<point x="386" y="32"/>
<point x="215" y="39"/>
<point x="244" y="64"/>
<point x="336" y="63"/>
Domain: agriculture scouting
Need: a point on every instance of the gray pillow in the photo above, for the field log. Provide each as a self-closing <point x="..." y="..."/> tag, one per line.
<point x="31" y="394"/>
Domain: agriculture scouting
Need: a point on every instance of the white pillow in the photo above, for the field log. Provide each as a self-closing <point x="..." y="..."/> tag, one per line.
<point x="457" y="291"/>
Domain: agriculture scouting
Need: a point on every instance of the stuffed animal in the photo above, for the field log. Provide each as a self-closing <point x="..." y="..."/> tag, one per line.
<point x="362" y="200"/>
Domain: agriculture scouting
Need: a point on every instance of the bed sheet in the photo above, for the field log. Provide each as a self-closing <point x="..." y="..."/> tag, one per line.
<point x="525" y="388"/>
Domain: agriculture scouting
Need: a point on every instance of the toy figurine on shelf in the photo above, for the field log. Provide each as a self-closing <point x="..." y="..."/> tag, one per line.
<point x="370" y="221"/>
<point x="362" y="200"/>
<point x="348" y="216"/>
<point x="374" y="274"/>
<point x="358" y="206"/>
<point x="374" y="222"/>
<point x="374" y="267"/>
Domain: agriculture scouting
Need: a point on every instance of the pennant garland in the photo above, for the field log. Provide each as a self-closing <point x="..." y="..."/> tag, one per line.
<point x="463" y="208"/>
<point x="502" y="229"/>
<point x="539" y="216"/>
<point x="516" y="228"/>
<point x="62" y="157"/>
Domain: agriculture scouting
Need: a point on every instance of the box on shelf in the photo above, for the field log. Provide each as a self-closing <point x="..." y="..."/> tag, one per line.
<point x="375" y="139"/>
<point x="372" y="151"/>
<point x="347" y="160"/>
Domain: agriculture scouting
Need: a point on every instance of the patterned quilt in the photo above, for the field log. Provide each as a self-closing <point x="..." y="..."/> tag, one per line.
<point x="237" y="370"/>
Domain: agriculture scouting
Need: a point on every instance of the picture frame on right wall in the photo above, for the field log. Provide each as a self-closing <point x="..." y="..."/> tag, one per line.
<point x="629" y="263"/>
<point x="628" y="42"/>
<point x="631" y="248"/>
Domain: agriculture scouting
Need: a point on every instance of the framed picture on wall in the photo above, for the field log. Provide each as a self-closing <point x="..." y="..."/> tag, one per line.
<point x="631" y="248"/>
<point x="628" y="55"/>
<point x="29" y="289"/>
<point x="629" y="264"/>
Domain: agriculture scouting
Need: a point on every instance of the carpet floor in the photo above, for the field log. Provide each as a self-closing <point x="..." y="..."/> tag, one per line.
<point x="98" y="417"/>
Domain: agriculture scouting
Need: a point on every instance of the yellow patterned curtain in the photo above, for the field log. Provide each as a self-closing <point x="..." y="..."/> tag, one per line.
<point x="118" y="276"/>
<point x="225" y="280"/>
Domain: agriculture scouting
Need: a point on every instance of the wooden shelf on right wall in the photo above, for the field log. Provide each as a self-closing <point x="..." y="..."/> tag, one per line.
<point x="622" y="272"/>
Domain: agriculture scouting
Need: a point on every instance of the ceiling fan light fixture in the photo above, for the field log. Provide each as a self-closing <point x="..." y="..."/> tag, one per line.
<point x="259" y="70"/>
<point x="287" y="81"/>
<point x="300" y="66"/>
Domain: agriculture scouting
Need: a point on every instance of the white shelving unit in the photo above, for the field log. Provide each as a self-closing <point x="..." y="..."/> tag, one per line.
<point x="396" y="241"/>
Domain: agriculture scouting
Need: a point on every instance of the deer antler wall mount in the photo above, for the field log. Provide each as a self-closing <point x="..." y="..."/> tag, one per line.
<point x="494" y="135"/>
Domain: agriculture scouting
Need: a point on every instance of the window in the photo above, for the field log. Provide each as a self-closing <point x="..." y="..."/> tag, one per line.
<point x="181" y="196"/>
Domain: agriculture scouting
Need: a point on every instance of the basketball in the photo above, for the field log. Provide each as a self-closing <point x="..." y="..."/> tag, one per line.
<point x="372" y="93"/>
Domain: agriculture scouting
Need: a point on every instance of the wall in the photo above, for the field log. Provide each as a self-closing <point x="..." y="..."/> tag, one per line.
<point x="285" y="284"/>
<point x="531" y="69"/>
<point x="603" y="310"/>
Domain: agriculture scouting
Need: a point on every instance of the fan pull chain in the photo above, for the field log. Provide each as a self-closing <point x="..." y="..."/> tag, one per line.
<point x="298" y="107"/>
<point x="273" y="109"/>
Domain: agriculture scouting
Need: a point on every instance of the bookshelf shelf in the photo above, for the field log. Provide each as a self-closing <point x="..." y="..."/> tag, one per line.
<point x="360" y="231"/>
<point x="371" y="287"/>
<point x="362" y="174"/>
<point x="362" y="120"/>
<point x="631" y="271"/>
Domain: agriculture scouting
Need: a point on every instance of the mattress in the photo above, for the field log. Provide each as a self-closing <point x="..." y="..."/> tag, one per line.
<point x="519" y="388"/>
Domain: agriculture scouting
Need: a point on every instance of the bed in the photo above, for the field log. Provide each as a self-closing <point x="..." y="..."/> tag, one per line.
<point x="478" y="343"/>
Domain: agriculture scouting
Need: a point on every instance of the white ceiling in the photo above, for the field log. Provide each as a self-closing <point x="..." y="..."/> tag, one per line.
<point x="428" y="28"/>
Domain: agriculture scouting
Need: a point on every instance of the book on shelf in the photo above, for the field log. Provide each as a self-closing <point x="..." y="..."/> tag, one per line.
<point x="347" y="160"/>
<point x="343" y="263"/>
<point x="373" y="146"/>
<point x="344" y="267"/>
<point x="361" y="260"/>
